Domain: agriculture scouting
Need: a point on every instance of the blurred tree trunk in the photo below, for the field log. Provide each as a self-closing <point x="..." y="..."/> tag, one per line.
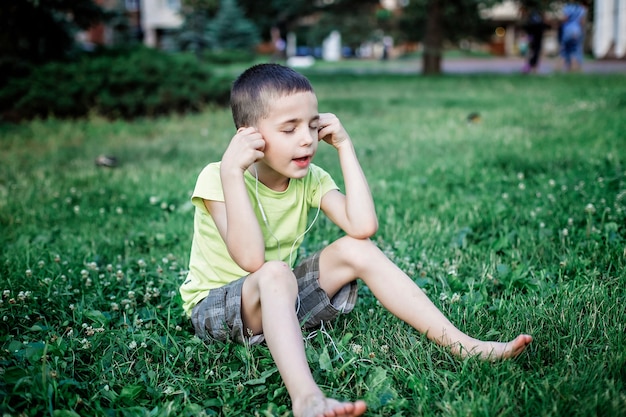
<point x="433" y="39"/>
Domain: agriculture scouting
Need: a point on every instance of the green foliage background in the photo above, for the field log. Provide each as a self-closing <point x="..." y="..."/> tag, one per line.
<point x="124" y="83"/>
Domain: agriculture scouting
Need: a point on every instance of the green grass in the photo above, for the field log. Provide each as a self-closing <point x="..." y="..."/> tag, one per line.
<point x="513" y="224"/>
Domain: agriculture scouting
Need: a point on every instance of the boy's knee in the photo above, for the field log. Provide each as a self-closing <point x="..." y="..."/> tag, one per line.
<point x="274" y="273"/>
<point x="355" y="249"/>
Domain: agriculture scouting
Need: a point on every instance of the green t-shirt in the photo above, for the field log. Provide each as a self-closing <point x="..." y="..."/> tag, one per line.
<point x="210" y="265"/>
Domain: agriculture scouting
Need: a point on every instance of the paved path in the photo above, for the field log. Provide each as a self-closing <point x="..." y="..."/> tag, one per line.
<point x="515" y="65"/>
<point x="487" y="65"/>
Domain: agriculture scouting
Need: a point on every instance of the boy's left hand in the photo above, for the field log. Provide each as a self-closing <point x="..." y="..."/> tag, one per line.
<point x="331" y="130"/>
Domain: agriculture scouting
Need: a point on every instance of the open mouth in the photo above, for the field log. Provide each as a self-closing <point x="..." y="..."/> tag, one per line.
<point x="304" y="161"/>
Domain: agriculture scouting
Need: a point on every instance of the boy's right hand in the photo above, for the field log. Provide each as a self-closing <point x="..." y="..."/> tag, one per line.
<point x="245" y="148"/>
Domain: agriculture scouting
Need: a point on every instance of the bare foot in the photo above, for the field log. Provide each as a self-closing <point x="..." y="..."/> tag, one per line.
<point x="493" y="351"/>
<point x="508" y="350"/>
<point x="320" y="406"/>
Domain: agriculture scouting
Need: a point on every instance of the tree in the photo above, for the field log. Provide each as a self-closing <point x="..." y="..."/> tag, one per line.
<point x="231" y="30"/>
<point x="435" y="21"/>
<point x="41" y="31"/>
<point x="197" y="14"/>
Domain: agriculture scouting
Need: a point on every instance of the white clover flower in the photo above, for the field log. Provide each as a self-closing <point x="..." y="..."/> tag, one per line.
<point x="154" y="200"/>
<point x="521" y="186"/>
<point x="455" y="298"/>
<point x="119" y="210"/>
<point x="72" y="307"/>
<point x="357" y="349"/>
<point x="552" y="183"/>
<point x="141" y="263"/>
<point x="76" y="209"/>
<point x="505" y="196"/>
<point x="590" y="208"/>
<point x="565" y="232"/>
<point x="29" y="273"/>
<point x="132" y="345"/>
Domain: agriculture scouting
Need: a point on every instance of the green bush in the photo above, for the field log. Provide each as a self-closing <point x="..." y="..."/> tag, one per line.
<point x="226" y="57"/>
<point x="140" y="82"/>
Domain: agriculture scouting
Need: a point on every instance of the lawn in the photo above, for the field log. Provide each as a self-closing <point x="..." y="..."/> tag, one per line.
<point x="513" y="221"/>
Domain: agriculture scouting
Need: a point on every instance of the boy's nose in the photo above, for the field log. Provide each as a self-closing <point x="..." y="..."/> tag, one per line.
<point x="308" y="137"/>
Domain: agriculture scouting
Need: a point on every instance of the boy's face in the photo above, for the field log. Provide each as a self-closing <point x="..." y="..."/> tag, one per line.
<point x="290" y="134"/>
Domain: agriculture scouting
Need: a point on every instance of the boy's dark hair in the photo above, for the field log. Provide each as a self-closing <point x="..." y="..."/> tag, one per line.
<point x="255" y="87"/>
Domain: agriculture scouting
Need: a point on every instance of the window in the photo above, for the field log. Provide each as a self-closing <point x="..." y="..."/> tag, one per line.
<point x="131" y="5"/>
<point x="173" y="5"/>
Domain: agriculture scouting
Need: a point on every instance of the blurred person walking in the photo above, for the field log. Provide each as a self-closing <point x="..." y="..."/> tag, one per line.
<point x="535" y="27"/>
<point x="573" y="35"/>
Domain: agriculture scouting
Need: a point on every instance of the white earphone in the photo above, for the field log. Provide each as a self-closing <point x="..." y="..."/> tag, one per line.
<point x="301" y="236"/>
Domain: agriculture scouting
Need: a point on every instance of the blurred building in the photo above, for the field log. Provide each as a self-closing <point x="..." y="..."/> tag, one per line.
<point x="157" y="18"/>
<point x="609" y="29"/>
<point x="147" y="21"/>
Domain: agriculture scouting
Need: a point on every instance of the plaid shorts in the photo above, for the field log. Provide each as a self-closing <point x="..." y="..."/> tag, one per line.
<point x="218" y="316"/>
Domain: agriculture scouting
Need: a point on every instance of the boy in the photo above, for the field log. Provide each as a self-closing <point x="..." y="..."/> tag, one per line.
<point x="251" y="215"/>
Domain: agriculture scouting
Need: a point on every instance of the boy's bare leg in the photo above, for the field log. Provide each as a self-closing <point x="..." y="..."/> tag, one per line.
<point x="268" y="306"/>
<point x="348" y="258"/>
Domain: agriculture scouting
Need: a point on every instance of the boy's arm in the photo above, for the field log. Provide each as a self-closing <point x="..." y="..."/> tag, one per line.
<point x="235" y="219"/>
<point x="354" y="212"/>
